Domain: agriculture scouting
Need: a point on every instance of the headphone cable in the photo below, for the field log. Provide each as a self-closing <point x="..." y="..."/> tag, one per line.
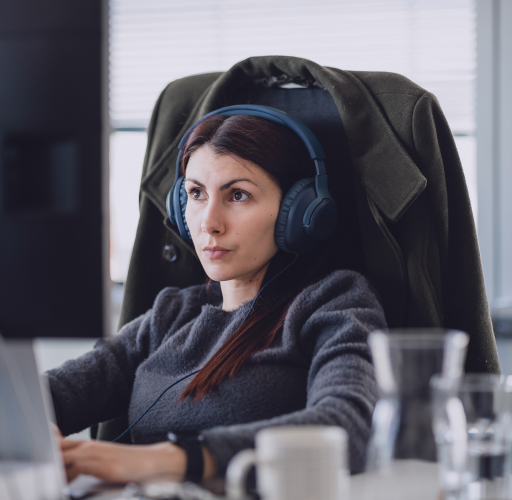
<point x="194" y="372"/>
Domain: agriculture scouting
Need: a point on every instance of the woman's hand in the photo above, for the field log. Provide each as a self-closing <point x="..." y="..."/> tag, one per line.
<point x="120" y="462"/>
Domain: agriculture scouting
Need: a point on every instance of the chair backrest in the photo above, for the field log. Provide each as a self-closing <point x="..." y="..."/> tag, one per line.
<point x="316" y="108"/>
<point x="405" y="218"/>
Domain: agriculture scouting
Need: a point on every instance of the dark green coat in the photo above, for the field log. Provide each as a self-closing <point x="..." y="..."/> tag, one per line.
<point x="417" y="236"/>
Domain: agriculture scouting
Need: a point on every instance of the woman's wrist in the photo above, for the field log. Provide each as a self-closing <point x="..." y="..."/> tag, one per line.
<point x="173" y="459"/>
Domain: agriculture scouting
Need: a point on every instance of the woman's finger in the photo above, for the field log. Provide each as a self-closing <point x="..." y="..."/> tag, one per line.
<point x="121" y="463"/>
<point x="69" y="457"/>
<point x="71" y="472"/>
<point x="78" y="460"/>
<point x="69" y="444"/>
<point x="89" y="457"/>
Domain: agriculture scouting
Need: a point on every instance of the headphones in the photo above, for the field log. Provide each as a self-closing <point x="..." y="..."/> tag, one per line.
<point x="307" y="213"/>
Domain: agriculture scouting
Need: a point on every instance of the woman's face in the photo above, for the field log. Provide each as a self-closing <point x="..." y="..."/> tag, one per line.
<point x="231" y="212"/>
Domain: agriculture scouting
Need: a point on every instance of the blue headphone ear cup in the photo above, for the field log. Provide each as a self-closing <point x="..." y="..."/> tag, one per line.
<point x="169" y="206"/>
<point x="183" y="206"/>
<point x="290" y="235"/>
<point x="179" y="202"/>
<point x="323" y="219"/>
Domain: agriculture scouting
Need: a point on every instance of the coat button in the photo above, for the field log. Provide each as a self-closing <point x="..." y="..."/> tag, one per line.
<point x="170" y="253"/>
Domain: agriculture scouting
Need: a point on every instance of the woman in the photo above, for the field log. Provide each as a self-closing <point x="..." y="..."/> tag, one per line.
<point x="298" y="355"/>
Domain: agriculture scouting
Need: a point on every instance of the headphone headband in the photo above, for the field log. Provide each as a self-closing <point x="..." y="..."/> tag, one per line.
<point x="307" y="213"/>
<point x="309" y="139"/>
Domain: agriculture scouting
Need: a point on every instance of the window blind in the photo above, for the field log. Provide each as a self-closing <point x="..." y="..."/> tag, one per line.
<point x="154" y="42"/>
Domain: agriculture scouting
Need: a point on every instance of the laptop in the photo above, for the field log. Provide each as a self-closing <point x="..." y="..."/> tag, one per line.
<point x="30" y="463"/>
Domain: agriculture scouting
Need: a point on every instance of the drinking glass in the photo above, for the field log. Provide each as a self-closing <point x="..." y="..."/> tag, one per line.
<point x="401" y="453"/>
<point x="472" y="426"/>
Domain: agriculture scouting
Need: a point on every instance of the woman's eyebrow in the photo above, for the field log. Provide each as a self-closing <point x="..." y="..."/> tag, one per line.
<point x="224" y="186"/>
<point x="200" y="184"/>
<point x="238" y="179"/>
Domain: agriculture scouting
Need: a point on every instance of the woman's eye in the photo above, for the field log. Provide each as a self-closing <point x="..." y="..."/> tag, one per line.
<point x="196" y="194"/>
<point x="240" y="196"/>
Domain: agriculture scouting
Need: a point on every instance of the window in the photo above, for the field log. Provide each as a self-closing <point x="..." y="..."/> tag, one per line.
<point x="152" y="43"/>
<point x="494" y="132"/>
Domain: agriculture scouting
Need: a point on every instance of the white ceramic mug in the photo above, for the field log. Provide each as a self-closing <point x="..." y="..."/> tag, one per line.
<point x="294" y="463"/>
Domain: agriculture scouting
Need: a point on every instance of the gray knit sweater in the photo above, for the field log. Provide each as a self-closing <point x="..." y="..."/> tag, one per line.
<point x="318" y="372"/>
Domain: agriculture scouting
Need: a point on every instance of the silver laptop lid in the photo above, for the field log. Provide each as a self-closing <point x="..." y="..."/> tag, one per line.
<point x="28" y="447"/>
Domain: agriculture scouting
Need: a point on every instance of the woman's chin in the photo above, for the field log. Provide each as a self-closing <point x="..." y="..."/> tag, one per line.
<point x="227" y="272"/>
<point x="219" y="272"/>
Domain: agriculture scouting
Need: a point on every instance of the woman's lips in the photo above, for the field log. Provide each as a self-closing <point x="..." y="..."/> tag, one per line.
<point x="215" y="253"/>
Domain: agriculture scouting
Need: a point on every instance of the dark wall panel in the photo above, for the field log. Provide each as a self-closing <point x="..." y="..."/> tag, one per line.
<point x="50" y="17"/>
<point x="50" y="83"/>
<point x="51" y="130"/>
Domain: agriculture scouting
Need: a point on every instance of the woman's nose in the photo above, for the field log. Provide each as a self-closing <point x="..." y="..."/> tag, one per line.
<point x="212" y="222"/>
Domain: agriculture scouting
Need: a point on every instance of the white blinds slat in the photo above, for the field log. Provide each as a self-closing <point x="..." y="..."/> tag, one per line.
<point x="432" y="42"/>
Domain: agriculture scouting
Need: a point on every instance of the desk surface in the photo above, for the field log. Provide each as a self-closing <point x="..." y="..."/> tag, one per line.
<point x="405" y="476"/>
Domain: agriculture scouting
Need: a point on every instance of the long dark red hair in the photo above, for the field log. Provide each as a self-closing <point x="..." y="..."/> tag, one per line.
<point x="279" y="151"/>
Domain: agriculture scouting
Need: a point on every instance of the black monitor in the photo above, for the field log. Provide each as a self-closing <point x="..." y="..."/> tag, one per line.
<point x="54" y="279"/>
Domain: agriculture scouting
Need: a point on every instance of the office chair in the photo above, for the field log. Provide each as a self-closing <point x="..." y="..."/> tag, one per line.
<point x="405" y="219"/>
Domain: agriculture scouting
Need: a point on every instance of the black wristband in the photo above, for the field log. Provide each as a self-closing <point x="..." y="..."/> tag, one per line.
<point x="192" y="443"/>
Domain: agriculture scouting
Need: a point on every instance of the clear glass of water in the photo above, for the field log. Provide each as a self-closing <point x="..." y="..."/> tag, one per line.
<point x="472" y="426"/>
<point x="401" y="455"/>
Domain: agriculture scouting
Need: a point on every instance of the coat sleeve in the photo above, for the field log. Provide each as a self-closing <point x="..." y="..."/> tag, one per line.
<point x="332" y="321"/>
<point x="463" y="298"/>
